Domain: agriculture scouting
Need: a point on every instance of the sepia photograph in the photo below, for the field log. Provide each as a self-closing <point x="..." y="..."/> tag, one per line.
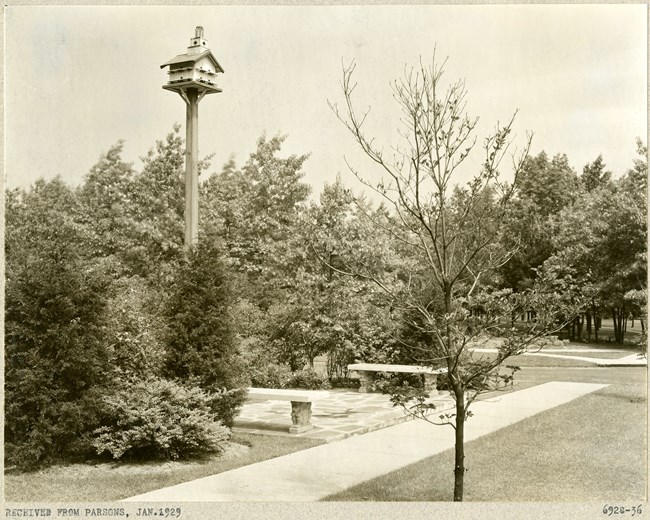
<point x="325" y="261"/>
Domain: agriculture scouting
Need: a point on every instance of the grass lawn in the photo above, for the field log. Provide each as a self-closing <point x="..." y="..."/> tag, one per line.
<point x="114" y="481"/>
<point x="591" y="449"/>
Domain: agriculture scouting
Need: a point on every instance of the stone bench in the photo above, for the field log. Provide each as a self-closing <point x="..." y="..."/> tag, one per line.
<point x="367" y="373"/>
<point x="300" y="404"/>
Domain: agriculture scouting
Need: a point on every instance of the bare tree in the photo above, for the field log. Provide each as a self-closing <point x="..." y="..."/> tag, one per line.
<point x="453" y="236"/>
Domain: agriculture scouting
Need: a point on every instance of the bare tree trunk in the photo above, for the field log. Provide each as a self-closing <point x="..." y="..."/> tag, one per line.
<point x="459" y="393"/>
<point x="620" y="321"/>
<point x="581" y="321"/>
<point x="459" y="465"/>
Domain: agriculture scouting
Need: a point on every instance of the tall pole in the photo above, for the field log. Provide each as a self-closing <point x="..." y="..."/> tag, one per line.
<point x="191" y="75"/>
<point x="192" y="169"/>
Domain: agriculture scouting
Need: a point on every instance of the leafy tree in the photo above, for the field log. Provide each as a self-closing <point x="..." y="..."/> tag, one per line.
<point x="105" y="206"/>
<point x="257" y="213"/>
<point x="454" y="240"/>
<point x="550" y="185"/>
<point x="223" y="202"/>
<point x="623" y="257"/>
<point x="594" y="175"/>
<point x="635" y="184"/>
<point x="137" y="217"/>
<point x="635" y="180"/>
<point x="158" y="208"/>
<point x="255" y="210"/>
<point x="277" y="188"/>
<point x="603" y="239"/>
<point x="545" y="188"/>
<point x="345" y="316"/>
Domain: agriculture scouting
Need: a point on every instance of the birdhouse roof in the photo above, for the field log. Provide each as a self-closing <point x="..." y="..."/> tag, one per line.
<point x="193" y="58"/>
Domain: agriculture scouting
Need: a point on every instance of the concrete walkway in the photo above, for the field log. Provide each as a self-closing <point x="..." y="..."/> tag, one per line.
<point x="312" y="474"/>
<point x="627" y="361"/>
<point x="631" y="360"/>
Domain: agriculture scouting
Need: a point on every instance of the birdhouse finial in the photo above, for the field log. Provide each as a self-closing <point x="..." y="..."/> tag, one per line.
<point x="198" y="43"/>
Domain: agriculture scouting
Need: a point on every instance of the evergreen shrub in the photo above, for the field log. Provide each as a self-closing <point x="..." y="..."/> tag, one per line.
<point x="280" y="376"/>
<point x="344" y="382"/>
<point x="200" y="342"/>
<point x="308" y="380"/>
<point x="270" y="376"/>
<point x="159" y="419"/>
<point x="225" y="404"/>
<point x="56" y="353"/>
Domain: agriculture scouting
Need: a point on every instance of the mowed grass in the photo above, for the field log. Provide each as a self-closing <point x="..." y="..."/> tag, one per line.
<point x="591" y="449"/>
<point x="114" y="481"/>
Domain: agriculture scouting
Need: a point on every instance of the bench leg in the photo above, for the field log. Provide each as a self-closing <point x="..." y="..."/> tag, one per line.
<point x="301" y="417"/>
<point x="366" y="379"/>
<point x="430" y="383"/>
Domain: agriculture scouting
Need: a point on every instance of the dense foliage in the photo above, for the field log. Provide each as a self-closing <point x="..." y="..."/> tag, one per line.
<point x="91" y="275"/>
<point x="119" y="342"/>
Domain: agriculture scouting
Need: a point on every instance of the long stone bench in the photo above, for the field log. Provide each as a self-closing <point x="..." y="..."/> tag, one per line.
<point x="300" y="404"/>
<point x="367" y="372"/>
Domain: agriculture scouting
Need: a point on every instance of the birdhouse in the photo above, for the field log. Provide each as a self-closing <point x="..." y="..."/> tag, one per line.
<point x="196" y="69"/>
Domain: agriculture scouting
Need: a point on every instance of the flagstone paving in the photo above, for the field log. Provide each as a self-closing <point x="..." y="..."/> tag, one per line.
<point x="343" y="414"/>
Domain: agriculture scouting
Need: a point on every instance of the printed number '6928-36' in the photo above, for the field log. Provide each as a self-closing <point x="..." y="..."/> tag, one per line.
<point x="622" y="510"/>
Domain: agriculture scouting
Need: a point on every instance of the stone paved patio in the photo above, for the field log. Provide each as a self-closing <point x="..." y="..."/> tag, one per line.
<point x="344" y="414"/>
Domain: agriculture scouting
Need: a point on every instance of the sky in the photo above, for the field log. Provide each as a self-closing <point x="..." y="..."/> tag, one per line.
<point x="80" y="78"/>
